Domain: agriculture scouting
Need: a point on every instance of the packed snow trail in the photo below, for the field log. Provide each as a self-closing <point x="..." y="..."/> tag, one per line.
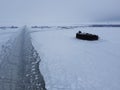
<point x="19" y="66"/>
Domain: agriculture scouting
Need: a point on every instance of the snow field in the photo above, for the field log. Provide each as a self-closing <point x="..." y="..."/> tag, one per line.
<point x="5" y="36"/>
<point x="72" y="64"/>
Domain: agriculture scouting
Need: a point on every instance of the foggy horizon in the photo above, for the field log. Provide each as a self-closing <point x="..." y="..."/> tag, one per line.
<point x="58" y="12"/>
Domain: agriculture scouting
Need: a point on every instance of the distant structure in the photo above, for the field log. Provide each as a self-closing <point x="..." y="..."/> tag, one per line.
<point x="86" y="36"/>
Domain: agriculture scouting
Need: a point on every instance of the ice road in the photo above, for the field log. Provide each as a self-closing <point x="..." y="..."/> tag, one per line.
<point x="19" y="64"/>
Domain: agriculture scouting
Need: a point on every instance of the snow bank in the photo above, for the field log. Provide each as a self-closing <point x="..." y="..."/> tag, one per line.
<point x="72" y="64"/>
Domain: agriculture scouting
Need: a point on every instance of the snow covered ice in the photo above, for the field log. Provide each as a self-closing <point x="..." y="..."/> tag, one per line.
<point x="46" y="55"/>
<point x="66" y="63"/>
<point x="72" y="64"/>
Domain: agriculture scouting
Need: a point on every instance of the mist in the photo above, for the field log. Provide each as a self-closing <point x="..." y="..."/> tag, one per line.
<point x="58" y="12"/>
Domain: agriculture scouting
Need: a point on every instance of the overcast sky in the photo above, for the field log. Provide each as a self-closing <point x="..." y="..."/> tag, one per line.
<point x="58" y="12"/>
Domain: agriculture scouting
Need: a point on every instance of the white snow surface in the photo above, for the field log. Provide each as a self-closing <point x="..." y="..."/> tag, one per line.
<point x="6" y="36"/>
<point x="68" y="63"/>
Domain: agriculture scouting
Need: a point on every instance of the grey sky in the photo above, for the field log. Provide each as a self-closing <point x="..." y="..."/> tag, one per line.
<point x="58" y="12"/>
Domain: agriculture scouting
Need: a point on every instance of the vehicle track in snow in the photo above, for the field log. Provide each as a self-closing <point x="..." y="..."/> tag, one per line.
<point x="19" y="66"/>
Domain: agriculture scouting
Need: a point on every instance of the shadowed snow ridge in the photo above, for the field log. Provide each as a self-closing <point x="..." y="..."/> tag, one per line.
<point x="19" y="66"/>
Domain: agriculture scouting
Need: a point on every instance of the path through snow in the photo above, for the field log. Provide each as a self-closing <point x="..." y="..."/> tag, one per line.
<point x="19" y="66"/>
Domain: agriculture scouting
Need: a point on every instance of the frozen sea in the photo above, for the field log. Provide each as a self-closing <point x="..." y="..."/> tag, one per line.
<point x="67" y="63"/>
